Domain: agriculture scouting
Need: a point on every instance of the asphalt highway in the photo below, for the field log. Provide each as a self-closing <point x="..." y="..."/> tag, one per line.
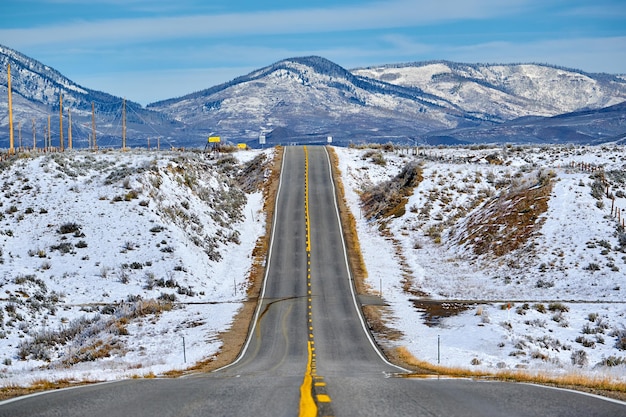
<point x="308" y="327"/>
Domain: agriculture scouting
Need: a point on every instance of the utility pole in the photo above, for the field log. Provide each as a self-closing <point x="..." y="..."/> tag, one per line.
<point x="69" y="129"/>
<point x="61" y="145"/>
<point x="11" y="144"/>
<point x="93" y="127"/>
<point x="124" y="124"/>
<point x="49" y="145"/>
<point x="34" y="136"/>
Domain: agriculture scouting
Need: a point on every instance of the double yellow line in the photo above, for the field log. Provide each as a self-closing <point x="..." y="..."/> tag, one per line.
<point x="308" y="404"/>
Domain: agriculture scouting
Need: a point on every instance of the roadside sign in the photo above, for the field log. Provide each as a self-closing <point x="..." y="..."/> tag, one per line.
<point x="329" y="139"/>
<point x="242" y="146"/>
<point x="214" y="139"/>
<point x="262" y="140"/>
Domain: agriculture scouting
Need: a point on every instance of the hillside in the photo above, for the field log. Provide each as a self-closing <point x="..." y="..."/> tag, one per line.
<point x="312" y="97"/>
<point x="506" y="92"/>
<point x="308" y="99"/>
<point x="509" y="255"/>
<point x="108" y="260"/>
<point x="36" y="89"/>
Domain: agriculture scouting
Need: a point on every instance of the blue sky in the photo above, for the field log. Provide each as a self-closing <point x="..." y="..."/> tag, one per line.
<point x="148" y="50"/>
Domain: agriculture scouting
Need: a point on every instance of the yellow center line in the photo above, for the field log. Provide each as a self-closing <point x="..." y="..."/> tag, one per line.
<point x="308" y="403"/>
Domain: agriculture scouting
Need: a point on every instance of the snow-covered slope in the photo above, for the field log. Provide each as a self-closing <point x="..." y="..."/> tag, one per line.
<point x="36" y="89"/>
<point x="506" y="92"/>
<point x="115" y="257"/>
<point x="313" y="97"/>
<point x="548" y="300"/>
<point x="95" y="247"/>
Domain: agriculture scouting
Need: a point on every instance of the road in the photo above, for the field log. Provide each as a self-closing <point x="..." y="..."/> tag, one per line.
<point x="307" y="301"/>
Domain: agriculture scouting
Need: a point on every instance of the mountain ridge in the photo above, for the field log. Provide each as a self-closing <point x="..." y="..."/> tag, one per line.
<point x="313" y="98"/>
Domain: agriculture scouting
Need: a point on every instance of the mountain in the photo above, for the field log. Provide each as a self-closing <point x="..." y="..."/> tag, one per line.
<point x="583" y="127"/>
<point x="307" y="99"/>
<point x="506" y="92"/>
<point x="314" y="98"/>
<point x="36" y="88"/>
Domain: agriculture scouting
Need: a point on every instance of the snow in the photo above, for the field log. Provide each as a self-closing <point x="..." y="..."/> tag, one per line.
<point x="499" y="325"/>
<point x="177" y="223"/>
<point x="164" y="233"/>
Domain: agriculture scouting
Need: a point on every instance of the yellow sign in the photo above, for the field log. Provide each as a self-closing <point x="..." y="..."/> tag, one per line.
<point x="242" y="146"/>
<point x="214" y="139"/>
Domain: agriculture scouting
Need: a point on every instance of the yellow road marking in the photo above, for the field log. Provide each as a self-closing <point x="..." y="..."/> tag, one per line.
<point x="308" y="408"/>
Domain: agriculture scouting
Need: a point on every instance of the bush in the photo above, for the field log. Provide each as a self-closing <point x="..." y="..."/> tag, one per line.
<point x="579" y="358"/>
<point x="167" y="297"/>
<point x="69" y="228"/>
<point x="620" y="334"/>
<point x="613" y="361"/>
<point x="63" y="247"/>
<point x="558" y="307"/>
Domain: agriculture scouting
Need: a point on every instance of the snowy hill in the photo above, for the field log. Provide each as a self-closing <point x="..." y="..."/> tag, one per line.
<point x="313" y="98"/>
<point x="513" y="256"/>
<point x="36" y="89"/>
<point x="307" y="99"/>
<point x="506" y="92"/>
<point x="115" y="257"/>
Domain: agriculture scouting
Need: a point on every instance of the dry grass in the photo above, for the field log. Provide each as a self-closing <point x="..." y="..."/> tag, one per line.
<point x="40" y="385"/>
<point x="348" y="223"/>
<point x="594" y="384"/>
<point x="390" y="198"/>
<point x="234" y="338"/>
<point x="508" y="221"/>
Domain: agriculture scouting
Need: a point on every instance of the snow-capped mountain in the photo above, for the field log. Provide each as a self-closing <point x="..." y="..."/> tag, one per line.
<point x="307" y="99"/>
<point x="505" y="92"/>
<point x="36" y="89"/>
<point x="312" y="98"/>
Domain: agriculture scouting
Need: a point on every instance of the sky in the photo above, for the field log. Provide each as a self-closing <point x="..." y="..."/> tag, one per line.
<point x="150" y="50"/>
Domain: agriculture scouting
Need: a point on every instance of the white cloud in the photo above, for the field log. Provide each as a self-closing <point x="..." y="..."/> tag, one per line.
<point x="395" y="14"/>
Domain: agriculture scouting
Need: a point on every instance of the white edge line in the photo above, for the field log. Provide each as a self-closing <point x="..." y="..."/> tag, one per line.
<point x="345" y="256"/>
<point x="245" y="348"/>
<point x="267" y="269"/>
<point x="37" y="394"/>
<point x="406" y="370"/>
<point x="600" y="397"/>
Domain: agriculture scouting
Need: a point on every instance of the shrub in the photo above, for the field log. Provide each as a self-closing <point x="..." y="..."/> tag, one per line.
<point x="544" y="284"/>
<point x="167" y="297"/>
<point x="613" y="361"/>
<point x="63" y="247"/>
<point x="620" y="334"/>
<point x="579" y="358"/>
<point x="69" y="228"/>
<point x="558" y="307"/>
<point x="585" y="342"/>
